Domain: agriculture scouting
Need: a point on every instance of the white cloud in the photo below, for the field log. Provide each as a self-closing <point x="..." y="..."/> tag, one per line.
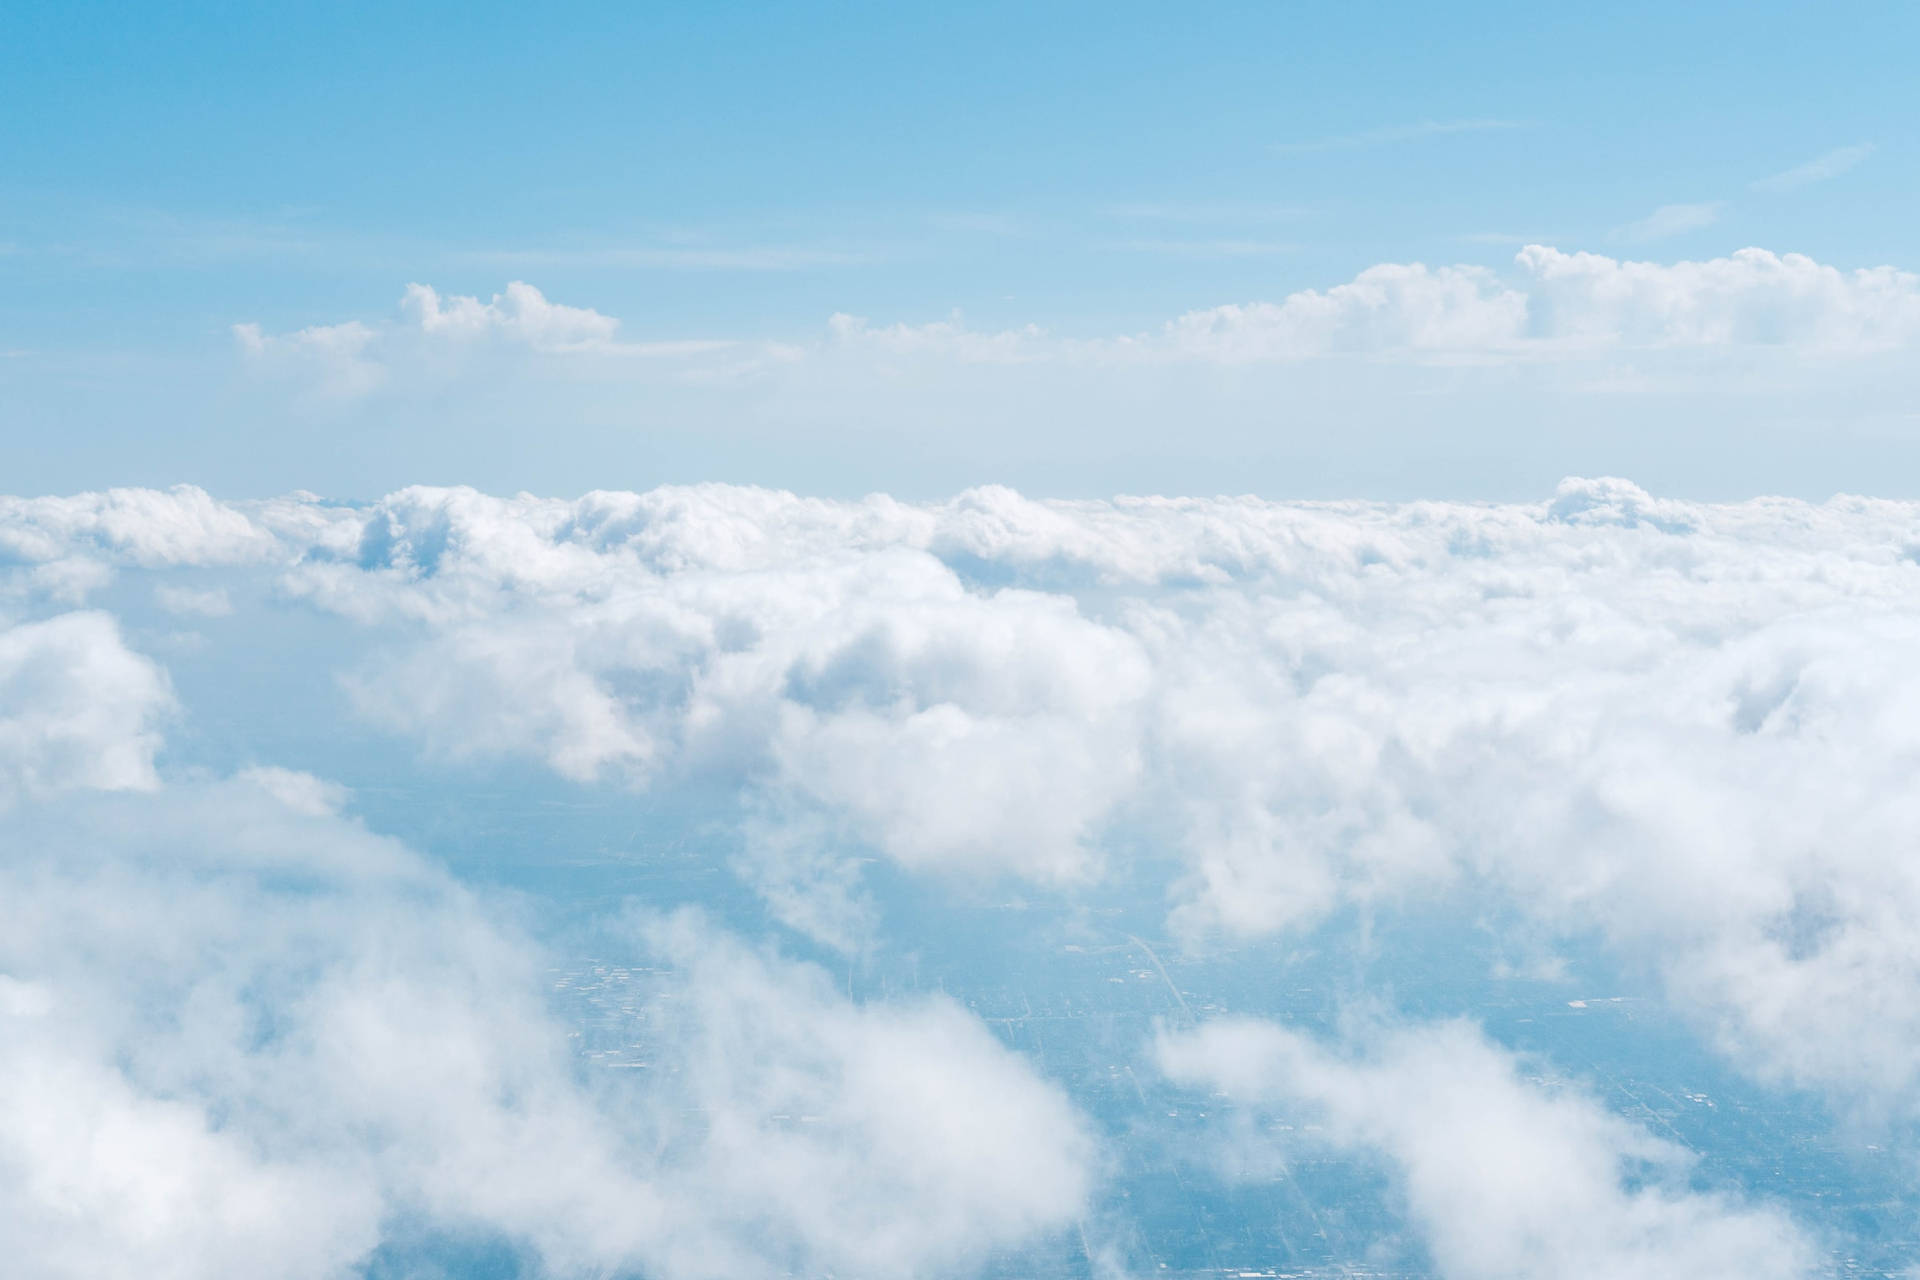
<point x="78" y="709"/>
<point x="1681" y="728"/>
<point x="144" y="527"/>
<point x="1819" y="169"/>
<point x="1502" y="1176"/>
<point x="1564" y="305"/>
<point x="335" y="355"/>
<point x="1389" y="308"/>
<point x="1551" y="308"/>
<point x="437" y="335"/>
<point x="521" y="313"/>
<point x="1672" y="220"/>
<point x="1751" y="299"/>
<point x="245" y="1035"/>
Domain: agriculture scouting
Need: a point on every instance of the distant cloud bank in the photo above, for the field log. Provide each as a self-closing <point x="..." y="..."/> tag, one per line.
<point x="1551" y="306"/>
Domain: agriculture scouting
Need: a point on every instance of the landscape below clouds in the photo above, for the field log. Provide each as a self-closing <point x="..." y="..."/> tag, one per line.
<point x="716" y="879"/>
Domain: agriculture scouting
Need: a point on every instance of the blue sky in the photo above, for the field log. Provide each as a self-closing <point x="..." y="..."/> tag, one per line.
<point x="742" y="173"/>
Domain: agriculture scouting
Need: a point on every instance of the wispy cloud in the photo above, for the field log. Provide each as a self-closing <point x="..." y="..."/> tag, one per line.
<point x="1397" y="133"/>
<point x="1671" y="220"/>
<point x="1819" y="169"/>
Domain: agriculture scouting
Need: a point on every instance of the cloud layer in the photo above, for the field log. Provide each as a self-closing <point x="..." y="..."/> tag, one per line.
<point x="1503" y="1176"/>
<point x="244" y="1035"/>
<point x="1551" y="305"/>
<point x="1684" y="730"/>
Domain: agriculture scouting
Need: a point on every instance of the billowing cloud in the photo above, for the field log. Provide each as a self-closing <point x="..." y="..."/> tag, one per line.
<point x="243" y="1034"/>
<point x="1503" y="1176"/>
<point x="1683" y="728"/>
<point x="1566" y="304"/>
<point x="78" y="709"/>
<point x="521" y="313"/>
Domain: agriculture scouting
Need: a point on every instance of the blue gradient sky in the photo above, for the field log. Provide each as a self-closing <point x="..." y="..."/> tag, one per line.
<point x="742" y="172"/>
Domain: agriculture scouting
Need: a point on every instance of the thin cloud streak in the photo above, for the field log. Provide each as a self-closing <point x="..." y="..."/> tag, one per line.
<point x="1671" y="220"/>
<point x="1819" y="169"/>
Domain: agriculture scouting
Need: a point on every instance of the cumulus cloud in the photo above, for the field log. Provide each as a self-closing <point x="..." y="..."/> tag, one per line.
<point x="78" y="709"/>
<point x="1503" y="1176"/>
<point x="1554" y="306"/>
<point x="244" y="1034"/>
<point x="1753" y="298"/>
<point x="1549" y="307"/>
<point x="356" y="358"/>
<point x="1567" y="304"/>
<point x="521" y="313"/>
<point x="1683" y="728"/>
<point x="1388" y="308"/>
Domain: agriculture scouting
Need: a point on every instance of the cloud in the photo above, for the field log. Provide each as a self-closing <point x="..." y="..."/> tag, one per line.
<point x="1680" y="729"/>
<point x="1393" y="308"/>
<point x="1672" y="220"/>
<point x="354" y="359"/>
<point x="1819" y="169"/>
<point x="78" y="709"/>
<point x="244" y="1034"/>
<point x="1565" y="305"/>
<point x="1551" y="308"/>
<point x="1669" y="730"/>
<point x="334" y="355"/>
<point x="521" y="313"/>
<point x="146" y="528"/>
<point x="1751" y="299"/>
<point x="1502" y="1176"/>
<point x="1395" y="134"/>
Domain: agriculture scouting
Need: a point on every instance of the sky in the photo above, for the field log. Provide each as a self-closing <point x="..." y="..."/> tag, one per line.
<point x="1009" y="642"/>
<point x="723" y="182"/>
